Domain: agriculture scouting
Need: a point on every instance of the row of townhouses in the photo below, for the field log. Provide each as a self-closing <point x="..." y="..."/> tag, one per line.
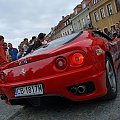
<point x="99" y="14"/>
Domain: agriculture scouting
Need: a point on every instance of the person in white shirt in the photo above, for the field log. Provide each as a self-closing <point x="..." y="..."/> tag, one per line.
<point x="26" y="45"/>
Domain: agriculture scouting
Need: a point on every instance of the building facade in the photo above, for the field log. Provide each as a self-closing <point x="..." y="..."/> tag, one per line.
<point x="82" y="20"/>
<point x="104" y="13"/>
<point x="56" y="31"/>
<point x="68" y="29"/>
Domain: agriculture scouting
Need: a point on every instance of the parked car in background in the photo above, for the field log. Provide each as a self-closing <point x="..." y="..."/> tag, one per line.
<point x="80" y="66"/>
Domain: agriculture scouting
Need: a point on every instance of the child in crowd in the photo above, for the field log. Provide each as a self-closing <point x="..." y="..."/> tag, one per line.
<point x="20" y="53"/>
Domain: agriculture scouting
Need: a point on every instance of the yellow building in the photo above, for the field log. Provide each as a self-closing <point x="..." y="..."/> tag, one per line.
<point x="104" y="13"/>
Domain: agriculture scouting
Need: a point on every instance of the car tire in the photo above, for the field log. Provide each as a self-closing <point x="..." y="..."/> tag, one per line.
<point x="111" y="80"/>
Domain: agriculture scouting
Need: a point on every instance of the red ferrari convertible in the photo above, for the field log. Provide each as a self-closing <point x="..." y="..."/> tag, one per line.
<point x="80" y="66"/>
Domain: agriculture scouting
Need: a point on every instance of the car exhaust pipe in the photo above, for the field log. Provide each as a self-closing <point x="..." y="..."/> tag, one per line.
<point x="74" y="90"/>
<point x="81" y="89"/>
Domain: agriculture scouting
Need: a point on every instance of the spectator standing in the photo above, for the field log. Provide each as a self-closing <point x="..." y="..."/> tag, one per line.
<point x="6" y="50"/>
<point x="40" y="41"/>
<point x="21" y="45"/>
<point x="44" y="41"/>
<point x="32" y="41"/>
<point x="37" y="43"/>
<point x="119" y="24"/>
<point x="2" y="52"/>
<point x="113" y="31"/>
<point x="107" y="32"/>
<point x="13" y="52"/>
<point x="25" y="45"/>
<point x="118" y="30"/>
<point x="20" y="53"/>
<point x="9" y="58"/>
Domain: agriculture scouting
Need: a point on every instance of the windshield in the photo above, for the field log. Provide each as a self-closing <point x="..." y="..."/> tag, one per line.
<point x="56" y="43"/>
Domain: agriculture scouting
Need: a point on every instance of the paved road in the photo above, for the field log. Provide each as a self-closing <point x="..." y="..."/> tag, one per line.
<point x="6" y="111"/>
<point x="65" y="110"/>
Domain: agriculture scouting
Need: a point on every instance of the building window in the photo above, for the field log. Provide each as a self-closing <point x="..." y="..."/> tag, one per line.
<point x="67" y="32"/>
<point x="109" y="7"/>
<point x="96" y="16"/>
<point x="83" y="5"/>
<point x="95" y="1"/>
<point x="102" y="12"/>
<point x="88" y="18"/>
<point x="117" y="5"/>
<point x="76" y="12"/>
<point x="106" y="31"/>
<point x="113" y="26"/>
<point x="68" y="22"/>
<point x="79" y="23"/>
<point x="65" y="24"/>
<point x="83" y="21"/>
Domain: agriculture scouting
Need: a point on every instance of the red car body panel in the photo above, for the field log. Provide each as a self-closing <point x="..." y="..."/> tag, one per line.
<point x="41" y="69"/>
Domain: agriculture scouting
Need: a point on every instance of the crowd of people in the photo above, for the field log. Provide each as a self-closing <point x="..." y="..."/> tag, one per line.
<point x="8" y="53"/>
<point x="114" y="32"/>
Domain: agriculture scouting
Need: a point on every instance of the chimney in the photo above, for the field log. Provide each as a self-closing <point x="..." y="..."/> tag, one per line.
<point x="62" y="17"/>
<point x="52" y="28"/>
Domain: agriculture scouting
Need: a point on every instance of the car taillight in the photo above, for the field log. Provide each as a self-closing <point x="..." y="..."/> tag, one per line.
<point x="77" y="59"/>
<point x="61" y="63"/>
<point x="2" y="76"/>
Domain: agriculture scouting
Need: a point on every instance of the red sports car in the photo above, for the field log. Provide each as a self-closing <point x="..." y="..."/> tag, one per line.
<point x="80" y="66"/>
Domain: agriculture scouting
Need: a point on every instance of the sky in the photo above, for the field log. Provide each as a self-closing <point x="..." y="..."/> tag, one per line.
<point x="21" y="19"/>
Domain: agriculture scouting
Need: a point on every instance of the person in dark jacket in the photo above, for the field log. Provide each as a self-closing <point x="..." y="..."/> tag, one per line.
<point x="37" y="43"/>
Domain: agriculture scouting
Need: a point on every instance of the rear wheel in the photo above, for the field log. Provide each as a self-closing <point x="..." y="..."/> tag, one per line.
<point x="111" y="82"/>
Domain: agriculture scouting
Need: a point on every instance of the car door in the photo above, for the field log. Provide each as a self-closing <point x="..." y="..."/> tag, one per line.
<point x="114" y="44"/>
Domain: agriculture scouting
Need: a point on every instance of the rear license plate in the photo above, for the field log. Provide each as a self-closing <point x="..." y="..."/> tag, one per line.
<point x="28" y="90"/>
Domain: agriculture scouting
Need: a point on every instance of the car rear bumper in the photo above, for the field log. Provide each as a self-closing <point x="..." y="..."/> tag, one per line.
<point x="60" y="84"/>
